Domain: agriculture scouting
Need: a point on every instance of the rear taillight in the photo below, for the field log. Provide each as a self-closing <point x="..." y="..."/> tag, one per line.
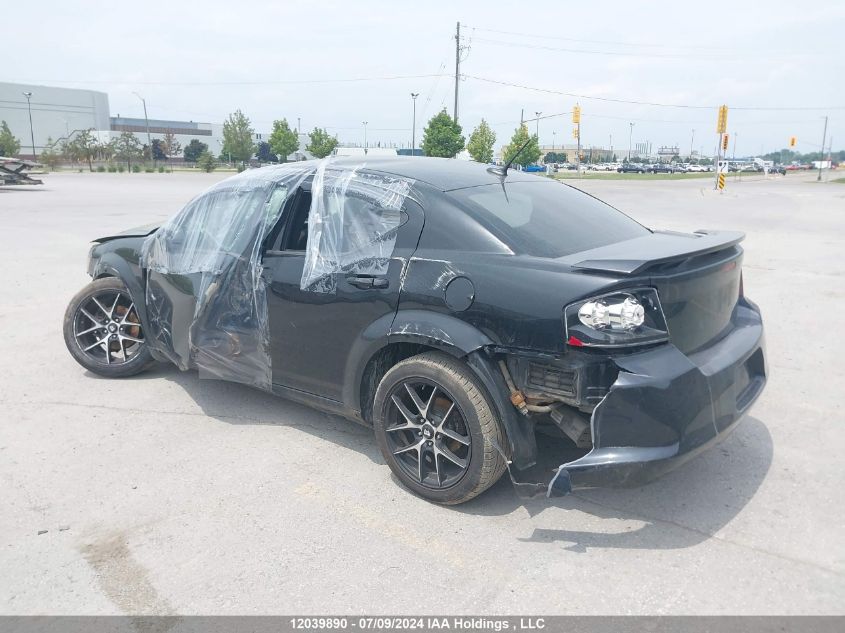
<point x="617" y="319"/>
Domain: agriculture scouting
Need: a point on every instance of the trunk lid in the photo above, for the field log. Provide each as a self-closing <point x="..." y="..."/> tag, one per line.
<point x="697" y="277"/>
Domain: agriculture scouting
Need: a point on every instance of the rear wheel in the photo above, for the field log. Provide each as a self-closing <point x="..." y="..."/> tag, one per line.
<point x="435" y="428"/>
<point x="103" y="332"/>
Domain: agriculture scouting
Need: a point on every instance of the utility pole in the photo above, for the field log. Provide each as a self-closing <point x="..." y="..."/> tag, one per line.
<point x="554" y="135"/>
<point x="537" y="128"/>
<point x="692" y="141"/>
<point x="630" y="137"/>
<point x="365" y="136"/>
<point x="457" y="66"/>
<point x="821" y="156"/>
<point x="147" y="121"/>
<point x="414" y="96"/>
<point x="28" y="96"/>
<point x="298" y="125"/>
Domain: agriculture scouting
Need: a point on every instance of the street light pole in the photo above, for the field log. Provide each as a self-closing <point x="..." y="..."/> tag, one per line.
<point x="414" y="96"/>
<point x="365" y="136"/>
<point x="554" y="135"/>
<point x="147" y="121"/>
<point x="691" y="142"/>
<point x="28" y="96"/>
<point x="821" y="156"/>
<point x="630" y="137"/>
<point x="537" y="133"/>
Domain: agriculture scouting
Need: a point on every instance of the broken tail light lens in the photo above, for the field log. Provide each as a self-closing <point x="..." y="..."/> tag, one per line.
<point x="619" y="319"/>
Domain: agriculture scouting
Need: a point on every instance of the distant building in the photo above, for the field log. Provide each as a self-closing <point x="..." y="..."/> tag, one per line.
<point x="56" y="113"/>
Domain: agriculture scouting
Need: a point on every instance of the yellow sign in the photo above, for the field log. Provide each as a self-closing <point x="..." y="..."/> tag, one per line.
<point x="722" y="121"/>
<point x="725" y="142"/>
<point x="576" y="114"/>
<point x="792" y="141"/>
<point x="575" y="132"/>
<point x="721" y="181"/>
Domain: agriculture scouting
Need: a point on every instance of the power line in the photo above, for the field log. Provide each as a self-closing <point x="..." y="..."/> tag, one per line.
<point x="606" y="53"/>
<point x="648" y="103"/>
<point x="229" y="83"/>
<point x="580" y="41"/>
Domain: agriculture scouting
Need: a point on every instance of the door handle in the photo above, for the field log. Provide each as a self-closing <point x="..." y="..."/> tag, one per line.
<point x="367" y="281"/>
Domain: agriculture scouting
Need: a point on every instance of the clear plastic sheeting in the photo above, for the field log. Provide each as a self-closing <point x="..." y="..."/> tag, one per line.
<point x="205" y="297"/>
<point x="352" y="224"/>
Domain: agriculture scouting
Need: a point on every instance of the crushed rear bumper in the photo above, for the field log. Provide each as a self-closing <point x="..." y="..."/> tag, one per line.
<point x="666" y="407"/>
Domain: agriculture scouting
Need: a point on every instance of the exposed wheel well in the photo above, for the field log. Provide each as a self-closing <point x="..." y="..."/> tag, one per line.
<point x="378" y="366"/>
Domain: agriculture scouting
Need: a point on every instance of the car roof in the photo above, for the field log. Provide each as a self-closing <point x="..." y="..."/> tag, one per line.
<point x="444" y="174"/>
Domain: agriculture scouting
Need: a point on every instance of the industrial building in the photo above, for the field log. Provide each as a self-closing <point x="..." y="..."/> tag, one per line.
<point x="58" y="113"/>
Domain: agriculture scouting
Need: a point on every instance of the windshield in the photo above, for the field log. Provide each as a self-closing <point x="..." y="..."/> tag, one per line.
<point x="547" y="218"/>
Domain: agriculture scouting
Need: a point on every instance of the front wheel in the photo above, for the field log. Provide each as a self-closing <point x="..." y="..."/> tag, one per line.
<point x="436" y="429"/>
<point x="103" y="332"/>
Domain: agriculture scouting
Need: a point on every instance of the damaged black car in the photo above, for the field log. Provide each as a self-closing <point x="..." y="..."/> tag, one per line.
<point x="454" y="308"/>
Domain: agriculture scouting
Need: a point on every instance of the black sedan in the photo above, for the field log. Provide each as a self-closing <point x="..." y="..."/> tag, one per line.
<point x="454" y="308"/>
<point x="631" y="168"/>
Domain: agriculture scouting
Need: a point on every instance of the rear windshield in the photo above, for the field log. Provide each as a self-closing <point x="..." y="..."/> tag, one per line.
<point x="547" y="218"/>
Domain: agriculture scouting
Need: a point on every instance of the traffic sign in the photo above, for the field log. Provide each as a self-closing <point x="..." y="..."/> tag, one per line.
<point x="721" y="184"/>
<point x="576" y="114"/>
<point x="722" y="120"/>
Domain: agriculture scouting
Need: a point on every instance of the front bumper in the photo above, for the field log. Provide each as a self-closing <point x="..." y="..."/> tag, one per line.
<point x="666" y="407"/>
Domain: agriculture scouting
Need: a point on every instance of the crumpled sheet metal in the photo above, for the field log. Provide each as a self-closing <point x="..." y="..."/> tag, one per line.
<point x="211" y="252"/>
<point x="205" y="295"/>
<point x="352" y="224"/>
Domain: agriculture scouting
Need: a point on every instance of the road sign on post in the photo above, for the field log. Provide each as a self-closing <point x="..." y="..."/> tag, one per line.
<point x="576" y="114"/>
<point x="721" y="130"/>
<point x="722" y="120"/>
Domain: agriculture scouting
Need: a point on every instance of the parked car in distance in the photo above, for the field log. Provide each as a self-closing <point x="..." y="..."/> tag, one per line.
<point x="463" y="312"/>
<point x="662" y="168"/>
<point x="631" y="168"/>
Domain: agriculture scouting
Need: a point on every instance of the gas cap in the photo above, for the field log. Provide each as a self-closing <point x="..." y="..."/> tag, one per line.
<point x="459" y="294"/>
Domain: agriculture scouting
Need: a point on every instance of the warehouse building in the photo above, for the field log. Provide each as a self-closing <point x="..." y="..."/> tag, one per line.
<point x="56" y="113"/>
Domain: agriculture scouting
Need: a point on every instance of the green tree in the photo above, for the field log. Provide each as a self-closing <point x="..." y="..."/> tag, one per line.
<point x="9" y="145"/>
<point x="480" y="144"/>
<point x="170" y="145"/>
<point x="264" y="154"/>
<point x="442" y="136"/>
<point x="50" y="156"/>
<point x="283" y="140"/>
<point x="528" y="156"/>
<point x="206" y="162"/>
<point x="194" y="149"/>
<point x="84" y="147"/>
<point x="321" y="144"/>
<point x="237" y="137"/>
<point x="127" y="147"/>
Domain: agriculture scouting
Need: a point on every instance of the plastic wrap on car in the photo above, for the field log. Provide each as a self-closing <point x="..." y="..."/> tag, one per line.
<point x="352" y="224"/>
<point x="211" y="252"/>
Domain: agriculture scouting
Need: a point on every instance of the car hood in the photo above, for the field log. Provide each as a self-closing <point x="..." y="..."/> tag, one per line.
<point x="138" y="231"/>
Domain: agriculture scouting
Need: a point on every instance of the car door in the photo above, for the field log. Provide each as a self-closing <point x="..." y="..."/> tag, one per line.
<point x="314" y="335"/>
<point x="205" y="310"/>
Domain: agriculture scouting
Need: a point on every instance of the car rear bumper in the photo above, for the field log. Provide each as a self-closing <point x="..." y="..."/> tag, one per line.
<point x="666" y="407"/>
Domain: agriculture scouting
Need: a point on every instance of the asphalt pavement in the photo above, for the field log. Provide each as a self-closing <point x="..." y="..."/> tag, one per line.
<point x="166" y="494"/>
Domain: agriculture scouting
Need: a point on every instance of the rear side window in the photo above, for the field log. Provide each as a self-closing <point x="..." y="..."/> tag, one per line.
<point x="547" y="219"/>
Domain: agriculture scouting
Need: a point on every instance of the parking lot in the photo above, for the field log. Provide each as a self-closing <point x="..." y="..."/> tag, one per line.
<point x="167" y="494"/>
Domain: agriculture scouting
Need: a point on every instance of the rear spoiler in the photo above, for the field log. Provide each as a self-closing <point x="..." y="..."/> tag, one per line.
<point x="632" y="256"/>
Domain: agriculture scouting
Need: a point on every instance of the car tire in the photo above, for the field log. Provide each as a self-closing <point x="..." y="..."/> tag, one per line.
<point x="106" y="303"/>
<point x="426" y="471"/>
